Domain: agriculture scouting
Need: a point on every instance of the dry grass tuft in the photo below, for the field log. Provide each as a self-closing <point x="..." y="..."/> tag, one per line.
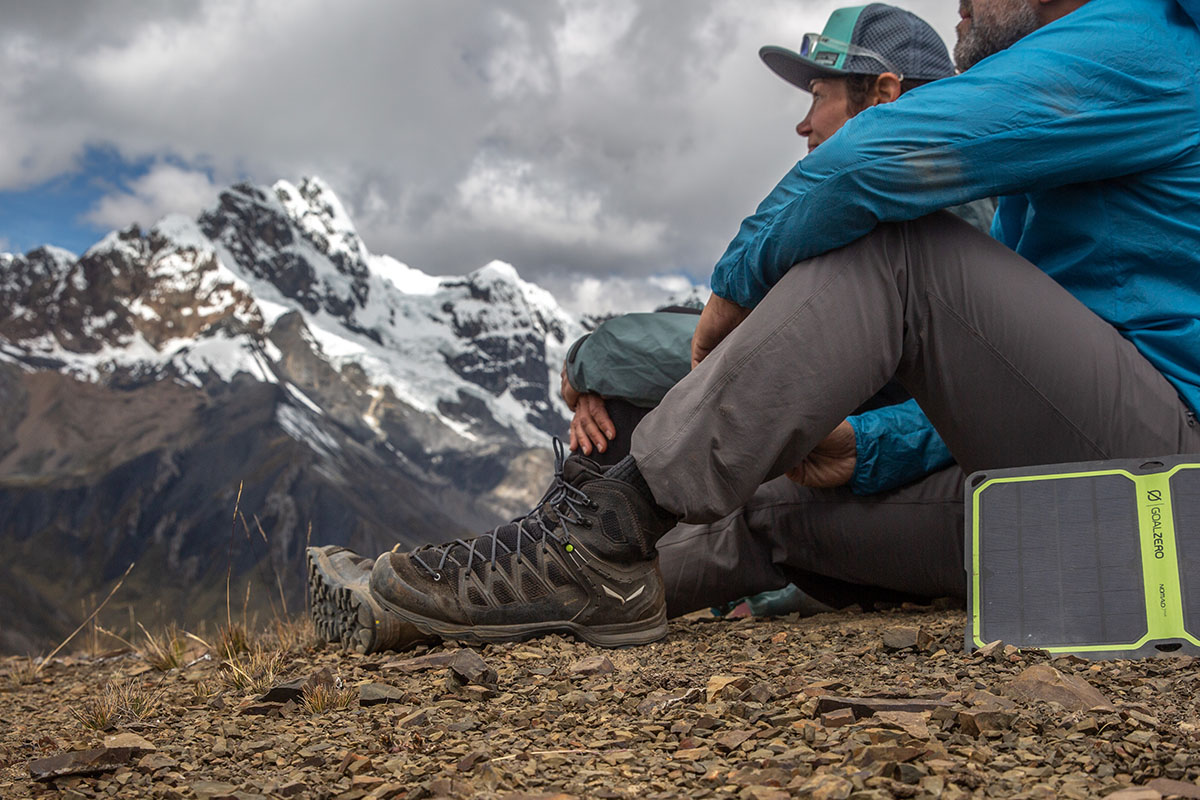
<point x="234" y="640"/>
<point x="23" y="672"/>
<point x="118" y="702"/>
<point x="165" y="651"/>
<point x="137" y="701"/>
<point x="203" y="689"/>
<point x="98" y="713"/>
<point x="253" y="671"/>
<point x="323" y="697"/>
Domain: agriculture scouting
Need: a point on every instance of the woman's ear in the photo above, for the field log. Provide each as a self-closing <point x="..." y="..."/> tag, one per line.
<point x="886" y="88"/>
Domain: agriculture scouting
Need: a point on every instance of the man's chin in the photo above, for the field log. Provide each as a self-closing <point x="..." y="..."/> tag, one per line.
<point x="967" y="50"/>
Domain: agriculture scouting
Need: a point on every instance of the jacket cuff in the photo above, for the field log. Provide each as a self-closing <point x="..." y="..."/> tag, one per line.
<point x="866" y="451"/>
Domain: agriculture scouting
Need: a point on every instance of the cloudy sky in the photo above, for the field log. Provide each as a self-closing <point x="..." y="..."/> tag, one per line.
<point x="606" y="148"/>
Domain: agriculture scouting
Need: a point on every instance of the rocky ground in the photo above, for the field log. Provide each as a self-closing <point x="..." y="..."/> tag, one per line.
<point x="836" y="706"/>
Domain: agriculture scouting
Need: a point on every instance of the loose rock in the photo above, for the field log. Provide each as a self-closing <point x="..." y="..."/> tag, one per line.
<point x="131" y="740"/>
<point x="866" y="706"/>
<point x="911" y="722"/>
<point x="837" y="718"/>
<point x="421" y="663"/>
<point x="644" y="730"/>
<point x="373" y="694"/>
<point x="156" y="761"/>
<point x="214" y="790"/>
<point x="80" y="762"/>
<point x="468" y="667"/>
<point x="974" y="722"/>
<point x="1044" y="682"/>
<point x="901" y="638"/>
<point x="725" y="686"/>
<point x="294" y="690"/>
<point x="593" y="665"/>
<point x="827" y="787"/>
<point x="468" y="762"/>
<point x="1175" y="788"/>
<point x="416" y="719"/>
<point x="1134" y="794"/>
<point x="991" y="649"/>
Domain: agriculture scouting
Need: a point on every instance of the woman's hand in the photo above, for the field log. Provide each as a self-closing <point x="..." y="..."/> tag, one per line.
<point x="831" y="463"/>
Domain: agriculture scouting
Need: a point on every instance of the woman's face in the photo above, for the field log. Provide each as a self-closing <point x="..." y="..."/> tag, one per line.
<point x="827" y="114"/>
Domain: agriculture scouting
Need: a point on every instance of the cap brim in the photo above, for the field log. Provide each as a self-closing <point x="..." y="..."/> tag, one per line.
<point x="795" y="68"/>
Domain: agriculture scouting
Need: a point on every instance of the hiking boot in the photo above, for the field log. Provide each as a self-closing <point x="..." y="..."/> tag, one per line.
<point x="343" y="610"/>
<point x="582" y="562"/>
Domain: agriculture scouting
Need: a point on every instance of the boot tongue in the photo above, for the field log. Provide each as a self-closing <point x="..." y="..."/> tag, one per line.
<point x="579" y="469"/>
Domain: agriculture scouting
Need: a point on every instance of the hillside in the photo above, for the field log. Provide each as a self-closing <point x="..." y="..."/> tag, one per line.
<point x="859" y="706"/>
<point x="259" y="350"/>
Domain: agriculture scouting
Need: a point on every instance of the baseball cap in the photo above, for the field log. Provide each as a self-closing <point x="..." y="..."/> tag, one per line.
<point x="864" y="40"/>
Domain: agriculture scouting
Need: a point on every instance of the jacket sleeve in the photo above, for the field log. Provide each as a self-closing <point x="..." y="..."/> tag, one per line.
<point x="1067" y="104"/>
<point x="895" y="445"/>
<point x="634" y="357"/>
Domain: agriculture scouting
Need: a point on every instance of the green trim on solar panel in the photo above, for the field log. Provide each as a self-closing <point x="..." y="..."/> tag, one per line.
<point x="1158" y="547"/>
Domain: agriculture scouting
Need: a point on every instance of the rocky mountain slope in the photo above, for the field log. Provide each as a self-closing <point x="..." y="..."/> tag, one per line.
<point x="859" y="706"/>
<point x="260" y="347"/>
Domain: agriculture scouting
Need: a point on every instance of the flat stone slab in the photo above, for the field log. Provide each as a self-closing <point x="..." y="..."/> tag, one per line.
<point x="866" y="706"/>
<point x="373" y="694"/>
<point x="1043" y="682"/>
<point x="80" y="762"/>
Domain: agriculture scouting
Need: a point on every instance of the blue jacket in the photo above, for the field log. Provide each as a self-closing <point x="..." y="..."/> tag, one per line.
<point x="1088" y="128"/>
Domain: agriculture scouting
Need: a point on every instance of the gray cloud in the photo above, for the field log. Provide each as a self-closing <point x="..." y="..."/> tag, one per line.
<point x="598" y="137"/>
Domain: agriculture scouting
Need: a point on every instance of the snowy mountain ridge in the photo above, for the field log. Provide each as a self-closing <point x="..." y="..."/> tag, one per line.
<point x="258" y="358"/>
<point x="197" y="299"/>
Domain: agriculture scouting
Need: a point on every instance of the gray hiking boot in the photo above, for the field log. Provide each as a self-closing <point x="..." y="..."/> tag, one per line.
<point x="343" y="610"/>
<point x="582" y="563"/>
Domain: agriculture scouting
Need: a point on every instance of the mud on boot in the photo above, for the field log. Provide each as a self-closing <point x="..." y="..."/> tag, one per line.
<point x="343" y="611"/>
<point x="582" y="563"/>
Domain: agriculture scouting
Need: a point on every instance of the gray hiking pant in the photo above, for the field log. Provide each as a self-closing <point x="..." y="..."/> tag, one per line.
<point x="838" y="547"/>
<point x="1010" y="368"/>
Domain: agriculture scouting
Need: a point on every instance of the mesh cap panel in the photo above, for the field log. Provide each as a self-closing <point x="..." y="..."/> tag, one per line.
<point x="904" y="39"/>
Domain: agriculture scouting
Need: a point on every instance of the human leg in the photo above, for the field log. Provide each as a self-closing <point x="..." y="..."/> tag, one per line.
<point x="1010" y="368"/>
<point x="625" y="417"/>
<point x="836" y="546"/>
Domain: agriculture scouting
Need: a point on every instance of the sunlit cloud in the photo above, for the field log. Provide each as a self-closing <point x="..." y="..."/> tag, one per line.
<point x="165" y="189"/>
<point x="621" y="138"/>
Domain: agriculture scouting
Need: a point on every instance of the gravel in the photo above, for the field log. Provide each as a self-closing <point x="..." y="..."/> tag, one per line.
<point x="845" y="705"/>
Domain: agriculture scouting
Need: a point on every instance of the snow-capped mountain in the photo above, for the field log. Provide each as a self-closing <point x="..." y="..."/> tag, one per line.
<point x="260" y="345"/>
<point x="192" y="299"/>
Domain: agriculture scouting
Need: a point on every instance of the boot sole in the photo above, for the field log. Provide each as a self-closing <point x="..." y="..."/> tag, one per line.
<point x="623" y="634"/>
<point x="345" y="614"/>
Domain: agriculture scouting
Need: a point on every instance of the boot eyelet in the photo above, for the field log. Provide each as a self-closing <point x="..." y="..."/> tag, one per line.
<point x="437" y="576"/>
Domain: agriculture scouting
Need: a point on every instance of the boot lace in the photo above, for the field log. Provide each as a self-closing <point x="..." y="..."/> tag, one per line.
<point x="566" y="502"/>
